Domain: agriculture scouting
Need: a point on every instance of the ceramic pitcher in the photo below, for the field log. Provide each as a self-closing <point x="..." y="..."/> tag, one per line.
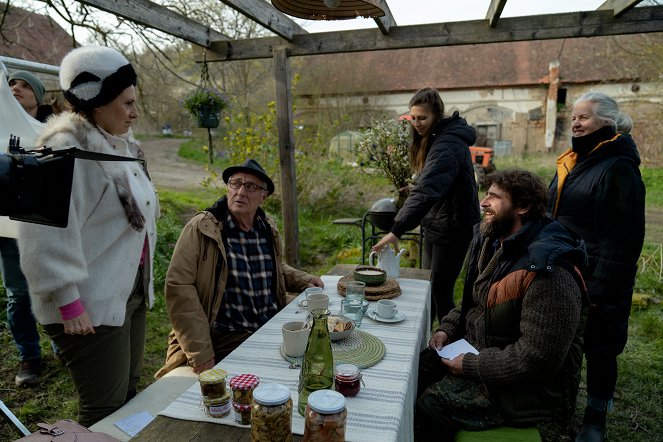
<point x="388" y="261"/>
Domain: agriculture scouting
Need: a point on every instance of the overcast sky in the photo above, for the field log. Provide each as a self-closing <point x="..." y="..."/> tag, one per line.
<point x="411" y="12"/>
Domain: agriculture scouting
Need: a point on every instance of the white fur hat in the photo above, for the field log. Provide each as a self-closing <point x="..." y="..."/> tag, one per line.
<point x="91" y="76"/>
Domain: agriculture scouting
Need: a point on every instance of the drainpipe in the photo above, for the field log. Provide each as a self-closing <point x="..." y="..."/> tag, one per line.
<point x="551" y="104"/>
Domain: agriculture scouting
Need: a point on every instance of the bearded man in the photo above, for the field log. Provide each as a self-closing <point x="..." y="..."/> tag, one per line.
<point x="524" y="307"/>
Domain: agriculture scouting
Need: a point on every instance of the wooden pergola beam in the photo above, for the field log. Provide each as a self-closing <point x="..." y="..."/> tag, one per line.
<point x="495" y="11"/>
<point x="267" y="16"/>
<point x="538" y="27"/>
<point x="160" y="18"/>
<point x="386" y="22"/>
<point x="618" y="6"/>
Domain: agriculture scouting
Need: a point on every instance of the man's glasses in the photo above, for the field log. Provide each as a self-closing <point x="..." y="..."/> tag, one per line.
<point x="248" y="186"/>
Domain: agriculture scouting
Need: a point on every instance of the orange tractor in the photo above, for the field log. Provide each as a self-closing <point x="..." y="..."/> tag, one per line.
<point x="482" y="159"/>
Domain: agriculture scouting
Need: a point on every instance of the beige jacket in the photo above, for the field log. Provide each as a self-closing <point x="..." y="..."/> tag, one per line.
<point x="190" y="298"/>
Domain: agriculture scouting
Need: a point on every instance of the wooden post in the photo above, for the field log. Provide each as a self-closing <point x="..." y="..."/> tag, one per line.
<point x="286" y="155"/>
<point x="551" y="104"/>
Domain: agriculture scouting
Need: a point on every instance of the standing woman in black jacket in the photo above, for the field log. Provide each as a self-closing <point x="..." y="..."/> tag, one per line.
<point x="598" y="193"/>
<point x="444" y="199"/>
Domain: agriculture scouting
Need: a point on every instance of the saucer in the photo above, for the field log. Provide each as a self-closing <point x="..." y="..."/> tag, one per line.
<point x="373" y="314"/>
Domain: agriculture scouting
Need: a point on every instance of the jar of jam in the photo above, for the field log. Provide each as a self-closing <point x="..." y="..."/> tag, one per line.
<point x="271" y="414"/>
<point x="218" y="407"/>
<point x="213" y="383"/>
<point x="242" y="413"/>
<point x="347" y="379"/>
<point x="325" y="417"/>
<point x="242" y="386"/>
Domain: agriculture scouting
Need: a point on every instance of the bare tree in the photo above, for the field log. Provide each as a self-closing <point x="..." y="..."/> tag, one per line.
<point x="167" y="66"/>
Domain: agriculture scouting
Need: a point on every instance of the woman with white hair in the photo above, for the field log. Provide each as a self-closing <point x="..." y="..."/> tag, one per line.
<point x="598" y="193"/>
<point x="90" y="282"/>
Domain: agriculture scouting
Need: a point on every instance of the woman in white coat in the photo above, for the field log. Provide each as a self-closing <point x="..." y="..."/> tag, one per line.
<point x="91" y="282"/>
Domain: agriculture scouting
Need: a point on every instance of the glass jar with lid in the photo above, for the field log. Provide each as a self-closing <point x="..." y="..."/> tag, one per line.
<point x="218" y="406"/>
<point x="242" y="413"/>
<point x="213" y="383"/>
<point x="271" y="415"/>
<point x="347" y="380"/>
<point x="242" y="386"/>
<point x="325" y="417"/>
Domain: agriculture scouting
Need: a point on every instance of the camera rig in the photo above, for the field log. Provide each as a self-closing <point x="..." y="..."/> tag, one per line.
<point x="35" y="185"/>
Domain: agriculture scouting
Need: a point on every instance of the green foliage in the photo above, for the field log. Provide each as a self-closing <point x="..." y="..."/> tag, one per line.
<point x="204" y="98"/>
<point x="384" y="145"/>
<point x="194" y="149"/>
<point x="543" y="164"/>
<point x="253" y="135"/>
<point x="653" y="179"/>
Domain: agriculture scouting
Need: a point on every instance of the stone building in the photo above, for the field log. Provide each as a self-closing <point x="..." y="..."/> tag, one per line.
<point x="502" y="89"/>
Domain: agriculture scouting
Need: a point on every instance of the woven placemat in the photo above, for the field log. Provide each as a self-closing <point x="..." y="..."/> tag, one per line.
<point x="387" y="290"/>
<point x="360" y="348"/>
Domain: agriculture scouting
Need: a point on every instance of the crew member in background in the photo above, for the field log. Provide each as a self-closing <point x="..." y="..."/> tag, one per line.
<point x="28" y="90"/>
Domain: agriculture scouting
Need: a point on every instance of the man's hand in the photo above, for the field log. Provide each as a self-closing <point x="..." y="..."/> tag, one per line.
<point x="204" y="366"/>
<point x="315" y="282"/>
<point x="455" y="365"/>
<point x="438" y="340"/>
<point x="80" y="325"/>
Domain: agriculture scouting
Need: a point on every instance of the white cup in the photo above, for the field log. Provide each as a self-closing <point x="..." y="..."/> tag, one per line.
<point x="308" y="292"/>
<point x="318" y="301"/>
<point x="295" y="338"/>
<point x="387" y="308"/>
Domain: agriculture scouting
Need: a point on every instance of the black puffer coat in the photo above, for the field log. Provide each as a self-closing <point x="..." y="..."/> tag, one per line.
<point x="603" y="201"/>
<point x="444" y="200"/>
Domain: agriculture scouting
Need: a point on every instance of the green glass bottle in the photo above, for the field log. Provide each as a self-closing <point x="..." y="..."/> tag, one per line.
<point x="318" y="365"/>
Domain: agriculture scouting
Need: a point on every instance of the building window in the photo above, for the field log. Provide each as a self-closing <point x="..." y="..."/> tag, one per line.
<point x="561" y="97"/>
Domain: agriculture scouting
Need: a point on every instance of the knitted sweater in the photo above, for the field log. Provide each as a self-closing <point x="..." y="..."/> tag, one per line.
<point x="526" y="319"/>
<point x="96" y="257"/>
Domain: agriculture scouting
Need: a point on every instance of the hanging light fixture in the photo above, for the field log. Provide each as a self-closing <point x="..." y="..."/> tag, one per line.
<point x="329" y="9"/>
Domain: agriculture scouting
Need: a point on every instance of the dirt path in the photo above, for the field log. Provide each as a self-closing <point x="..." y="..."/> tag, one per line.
<point x="167" y="170"/>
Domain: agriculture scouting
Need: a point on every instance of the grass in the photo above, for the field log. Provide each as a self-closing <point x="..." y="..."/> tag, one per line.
<point x="638" y="405"/>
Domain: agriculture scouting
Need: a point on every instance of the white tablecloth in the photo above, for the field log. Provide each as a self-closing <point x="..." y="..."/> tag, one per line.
<point x="384" y="408"/>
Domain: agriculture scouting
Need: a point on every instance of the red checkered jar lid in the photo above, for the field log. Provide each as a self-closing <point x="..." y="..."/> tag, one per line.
<point x="244" y="382"/>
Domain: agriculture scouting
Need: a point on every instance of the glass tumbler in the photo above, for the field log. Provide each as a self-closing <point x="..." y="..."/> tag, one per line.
<point x="354" y="299"/>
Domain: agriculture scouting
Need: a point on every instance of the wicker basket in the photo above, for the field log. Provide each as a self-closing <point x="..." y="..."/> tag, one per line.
<point x="390" y="289"/>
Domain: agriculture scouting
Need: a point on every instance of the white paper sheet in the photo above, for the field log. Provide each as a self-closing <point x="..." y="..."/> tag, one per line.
<point x="133" y="424"/>
<point x="454" y="349"/>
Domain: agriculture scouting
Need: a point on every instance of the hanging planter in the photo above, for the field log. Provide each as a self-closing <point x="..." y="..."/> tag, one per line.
<point x="209" y="117"/>
<point x="206" y="104"/>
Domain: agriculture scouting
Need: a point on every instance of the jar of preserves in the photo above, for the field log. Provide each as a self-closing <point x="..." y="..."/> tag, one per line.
<point x="242" y="386"/>
<point x="325" y="417"/>
<point x="213" y="383"/>
<point x="347" y="380"/>
<point x="218" y="407"/>
<point x="271" y="414"/>
<point x="242" y="413"/>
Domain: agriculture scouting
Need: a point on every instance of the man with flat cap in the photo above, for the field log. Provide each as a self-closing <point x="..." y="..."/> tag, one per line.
<point x="227" y="276"/>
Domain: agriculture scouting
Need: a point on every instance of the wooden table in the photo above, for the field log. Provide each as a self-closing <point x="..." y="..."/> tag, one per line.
<point x="166" y="428"/>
